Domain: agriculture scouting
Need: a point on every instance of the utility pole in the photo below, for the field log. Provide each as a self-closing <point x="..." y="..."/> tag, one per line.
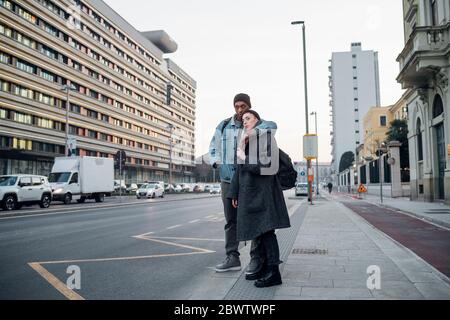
<point x="306" y="98"/>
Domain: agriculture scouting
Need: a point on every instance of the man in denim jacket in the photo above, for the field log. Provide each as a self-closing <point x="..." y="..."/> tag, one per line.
<point x="222" y="152"/>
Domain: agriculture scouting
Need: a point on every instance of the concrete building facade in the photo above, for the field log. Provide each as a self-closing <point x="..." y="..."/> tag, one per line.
<point x="120" y="79"/>
<point x="354" y="88"/>
<point x="424" y="72"/>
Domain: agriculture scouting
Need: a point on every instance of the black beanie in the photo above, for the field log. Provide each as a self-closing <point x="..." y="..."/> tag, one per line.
<point x="244" y="98"/>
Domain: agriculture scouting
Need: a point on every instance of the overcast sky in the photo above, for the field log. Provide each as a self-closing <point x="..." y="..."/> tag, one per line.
<point x="250" y="46"/>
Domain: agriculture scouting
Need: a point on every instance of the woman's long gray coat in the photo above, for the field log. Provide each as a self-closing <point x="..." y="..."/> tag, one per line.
<point x="261" y="204"/>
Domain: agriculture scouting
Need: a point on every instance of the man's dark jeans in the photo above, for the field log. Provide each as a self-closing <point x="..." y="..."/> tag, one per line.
<point x="231" y="244"/>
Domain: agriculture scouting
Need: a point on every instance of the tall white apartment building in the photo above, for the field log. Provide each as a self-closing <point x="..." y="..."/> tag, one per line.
<point x="354" y="88"/>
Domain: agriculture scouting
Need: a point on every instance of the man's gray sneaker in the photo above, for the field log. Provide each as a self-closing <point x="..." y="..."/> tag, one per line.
<point x="231" y="263"/>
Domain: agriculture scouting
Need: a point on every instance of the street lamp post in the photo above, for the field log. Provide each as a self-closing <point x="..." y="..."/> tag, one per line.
<point x="67" y="89"/>
<point x="317" y="159"/>
<point x="170" y="127"/>
<point x="306" y="96"/>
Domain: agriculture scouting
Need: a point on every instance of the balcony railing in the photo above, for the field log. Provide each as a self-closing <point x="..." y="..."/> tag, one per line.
<point x="431" y="40"/>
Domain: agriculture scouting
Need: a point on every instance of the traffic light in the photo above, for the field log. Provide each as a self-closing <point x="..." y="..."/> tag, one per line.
<point x="169" y="93"/>
<point x="120" y="159"/>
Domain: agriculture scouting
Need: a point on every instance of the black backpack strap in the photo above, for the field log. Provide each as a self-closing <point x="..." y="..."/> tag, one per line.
<point x="225" y="123"/>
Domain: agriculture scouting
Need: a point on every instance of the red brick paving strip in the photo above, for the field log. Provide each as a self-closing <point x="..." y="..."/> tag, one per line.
<point x="429" y="242"/>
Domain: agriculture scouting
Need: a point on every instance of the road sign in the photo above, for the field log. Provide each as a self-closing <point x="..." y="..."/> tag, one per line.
<point x="362" y="189"/>
<point x="310" y="146"/>
<point x="71" y="146"/>
<point x="303" y="173"/>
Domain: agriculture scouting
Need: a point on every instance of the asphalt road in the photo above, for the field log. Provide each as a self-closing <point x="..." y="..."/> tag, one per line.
<point x="151" y="250"/>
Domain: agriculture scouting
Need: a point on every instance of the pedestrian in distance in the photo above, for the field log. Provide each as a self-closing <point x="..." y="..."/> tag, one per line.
<point x="330" y="187"/>
<point x="258" y="197"/>
<point x="222" y="152"/>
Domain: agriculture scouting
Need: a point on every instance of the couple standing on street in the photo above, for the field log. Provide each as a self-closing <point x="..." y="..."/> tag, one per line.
<point x="252" y="196"/>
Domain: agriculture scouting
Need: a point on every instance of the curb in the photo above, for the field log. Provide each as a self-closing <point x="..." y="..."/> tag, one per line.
<point x="91" y="208"/>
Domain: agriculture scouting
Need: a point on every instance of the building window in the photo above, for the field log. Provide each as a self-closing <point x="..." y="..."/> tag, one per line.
<point x="7" y="4"/>
<point x="434" y="12"/>
<point x="438" y="106"/>
<point x="22" y="144"/>
<point x="419" y="140"/>
<point x="44" y="123"/>
<point x="5" y="58"/>
<point x="92" y="134"/>
<point x="383" y="121"/>
<point x="3" y="114"/>
<point x="92" y="114"/>
<point x="48" y="75"/>
<point x="75" y="108"/>
<point x="22" y="118"/>
<point x="22" y="65"/>
<point x="27" y="16"/>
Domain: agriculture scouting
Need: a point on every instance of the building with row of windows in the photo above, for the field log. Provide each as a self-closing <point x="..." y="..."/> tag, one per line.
<point x="424" y="73"/>
<point x="119" y="79"/>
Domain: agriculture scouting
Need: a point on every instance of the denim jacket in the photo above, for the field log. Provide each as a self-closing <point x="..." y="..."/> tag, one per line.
<point x="222" y="149"/>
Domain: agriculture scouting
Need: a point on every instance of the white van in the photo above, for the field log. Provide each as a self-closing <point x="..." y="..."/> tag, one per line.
<point x="81" y="178"/>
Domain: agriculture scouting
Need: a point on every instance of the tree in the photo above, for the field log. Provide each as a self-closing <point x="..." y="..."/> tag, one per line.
<point x="398" y="131"/>
<point x="347" y="160"/>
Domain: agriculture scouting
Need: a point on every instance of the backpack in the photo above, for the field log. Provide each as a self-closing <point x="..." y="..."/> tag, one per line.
<point x="286" y="173"/>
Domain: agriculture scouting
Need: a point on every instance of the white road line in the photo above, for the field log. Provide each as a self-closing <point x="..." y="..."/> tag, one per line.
<point x="173" y="227"/>
<point x="194" y="221"/>
<point x="209" y="217"/>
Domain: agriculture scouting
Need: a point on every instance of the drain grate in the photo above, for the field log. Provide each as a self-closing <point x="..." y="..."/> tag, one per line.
<point x="310" y="251"/>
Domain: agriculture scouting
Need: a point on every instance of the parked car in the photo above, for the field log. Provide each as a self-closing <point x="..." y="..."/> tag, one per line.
<point x="160" y="183"/>
<point x="132" y="187"/>
<point x="19" y="190"/>
<point x="118" y="185"/>
<point x="178" y="188"/>
<point x="187" y="187"/>
<point x="169" y="188"/>
<point x="198" y="188"/>
<point x="301" y="189"/>
<point x="150" y="190"/>
<point x="81" y="178"/>
<point x="215" y="189"/>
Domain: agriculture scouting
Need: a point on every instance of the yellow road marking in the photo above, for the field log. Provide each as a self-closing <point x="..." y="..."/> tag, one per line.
<point x="55" y="282"/>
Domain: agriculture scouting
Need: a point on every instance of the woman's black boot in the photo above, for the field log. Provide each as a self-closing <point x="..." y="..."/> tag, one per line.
<point x="257" y="274"/>
<point x="271" y="278"/>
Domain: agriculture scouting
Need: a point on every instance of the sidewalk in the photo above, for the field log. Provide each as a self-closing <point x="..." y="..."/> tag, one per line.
<point x="347" y="246"/>
<point x="436" y="212"/>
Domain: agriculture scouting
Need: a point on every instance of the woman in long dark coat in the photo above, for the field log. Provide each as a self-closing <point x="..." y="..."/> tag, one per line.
<point x="256" y="193"/>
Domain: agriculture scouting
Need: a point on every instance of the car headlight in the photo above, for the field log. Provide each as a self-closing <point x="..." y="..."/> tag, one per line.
<point x="60" y="190"/>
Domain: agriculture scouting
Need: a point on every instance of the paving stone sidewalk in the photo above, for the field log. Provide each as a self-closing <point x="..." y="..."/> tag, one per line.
<point x="351" y="246"/>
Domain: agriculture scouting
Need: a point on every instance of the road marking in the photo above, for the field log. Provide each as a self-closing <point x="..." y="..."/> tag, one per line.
<point x="209" y="217"/>
<point x="178" y="238"/>
<point x="55" y="282"/>
<point x="194" y="221"/>
<point x="173" y="227"/>
<point x="155" y="239"/>
<point x="145" y="234"/>
<point x="123" y="258"/>
<point x="72" y="295"/>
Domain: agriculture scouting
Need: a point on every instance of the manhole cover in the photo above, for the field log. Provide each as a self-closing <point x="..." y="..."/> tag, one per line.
<point x="310" y="251"/>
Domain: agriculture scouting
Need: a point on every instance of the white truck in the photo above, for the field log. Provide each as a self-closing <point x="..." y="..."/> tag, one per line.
<point x="81" y="178"/>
